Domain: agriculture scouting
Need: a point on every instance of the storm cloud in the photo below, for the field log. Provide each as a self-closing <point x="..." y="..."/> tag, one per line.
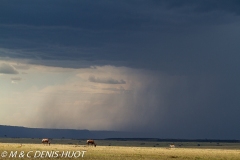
<point x="7" y="69"/>
<point x="105" y="80"/>
<point x="169" y="68"/>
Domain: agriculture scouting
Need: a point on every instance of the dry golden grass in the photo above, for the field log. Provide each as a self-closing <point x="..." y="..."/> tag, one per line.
<point x="129" y="153"/>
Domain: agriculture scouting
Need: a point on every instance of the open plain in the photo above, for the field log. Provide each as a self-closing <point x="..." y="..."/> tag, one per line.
<point x="116" y="150"/>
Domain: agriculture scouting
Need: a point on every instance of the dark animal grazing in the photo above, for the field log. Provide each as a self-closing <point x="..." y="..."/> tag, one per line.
<point x="90" y="141"/>
<point x="46" y="141"/>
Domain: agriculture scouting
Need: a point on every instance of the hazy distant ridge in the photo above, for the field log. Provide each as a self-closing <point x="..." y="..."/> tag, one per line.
<point x="23" y="132"/>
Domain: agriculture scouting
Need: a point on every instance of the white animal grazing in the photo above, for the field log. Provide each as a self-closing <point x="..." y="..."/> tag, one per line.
<point x="172" y="146"/>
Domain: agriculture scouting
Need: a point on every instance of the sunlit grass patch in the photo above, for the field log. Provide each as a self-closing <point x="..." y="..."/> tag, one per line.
<point x="131" y="152"/>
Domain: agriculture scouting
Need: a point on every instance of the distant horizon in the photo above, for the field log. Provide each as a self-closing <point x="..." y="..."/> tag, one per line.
<point x="62" y="128"/>
<point x="132" y="138"/>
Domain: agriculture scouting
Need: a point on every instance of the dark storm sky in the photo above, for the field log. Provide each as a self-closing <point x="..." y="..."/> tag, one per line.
<point x="196" y="43"/>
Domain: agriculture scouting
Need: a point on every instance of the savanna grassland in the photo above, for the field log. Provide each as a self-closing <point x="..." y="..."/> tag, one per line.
<point x="119" y="150"/>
